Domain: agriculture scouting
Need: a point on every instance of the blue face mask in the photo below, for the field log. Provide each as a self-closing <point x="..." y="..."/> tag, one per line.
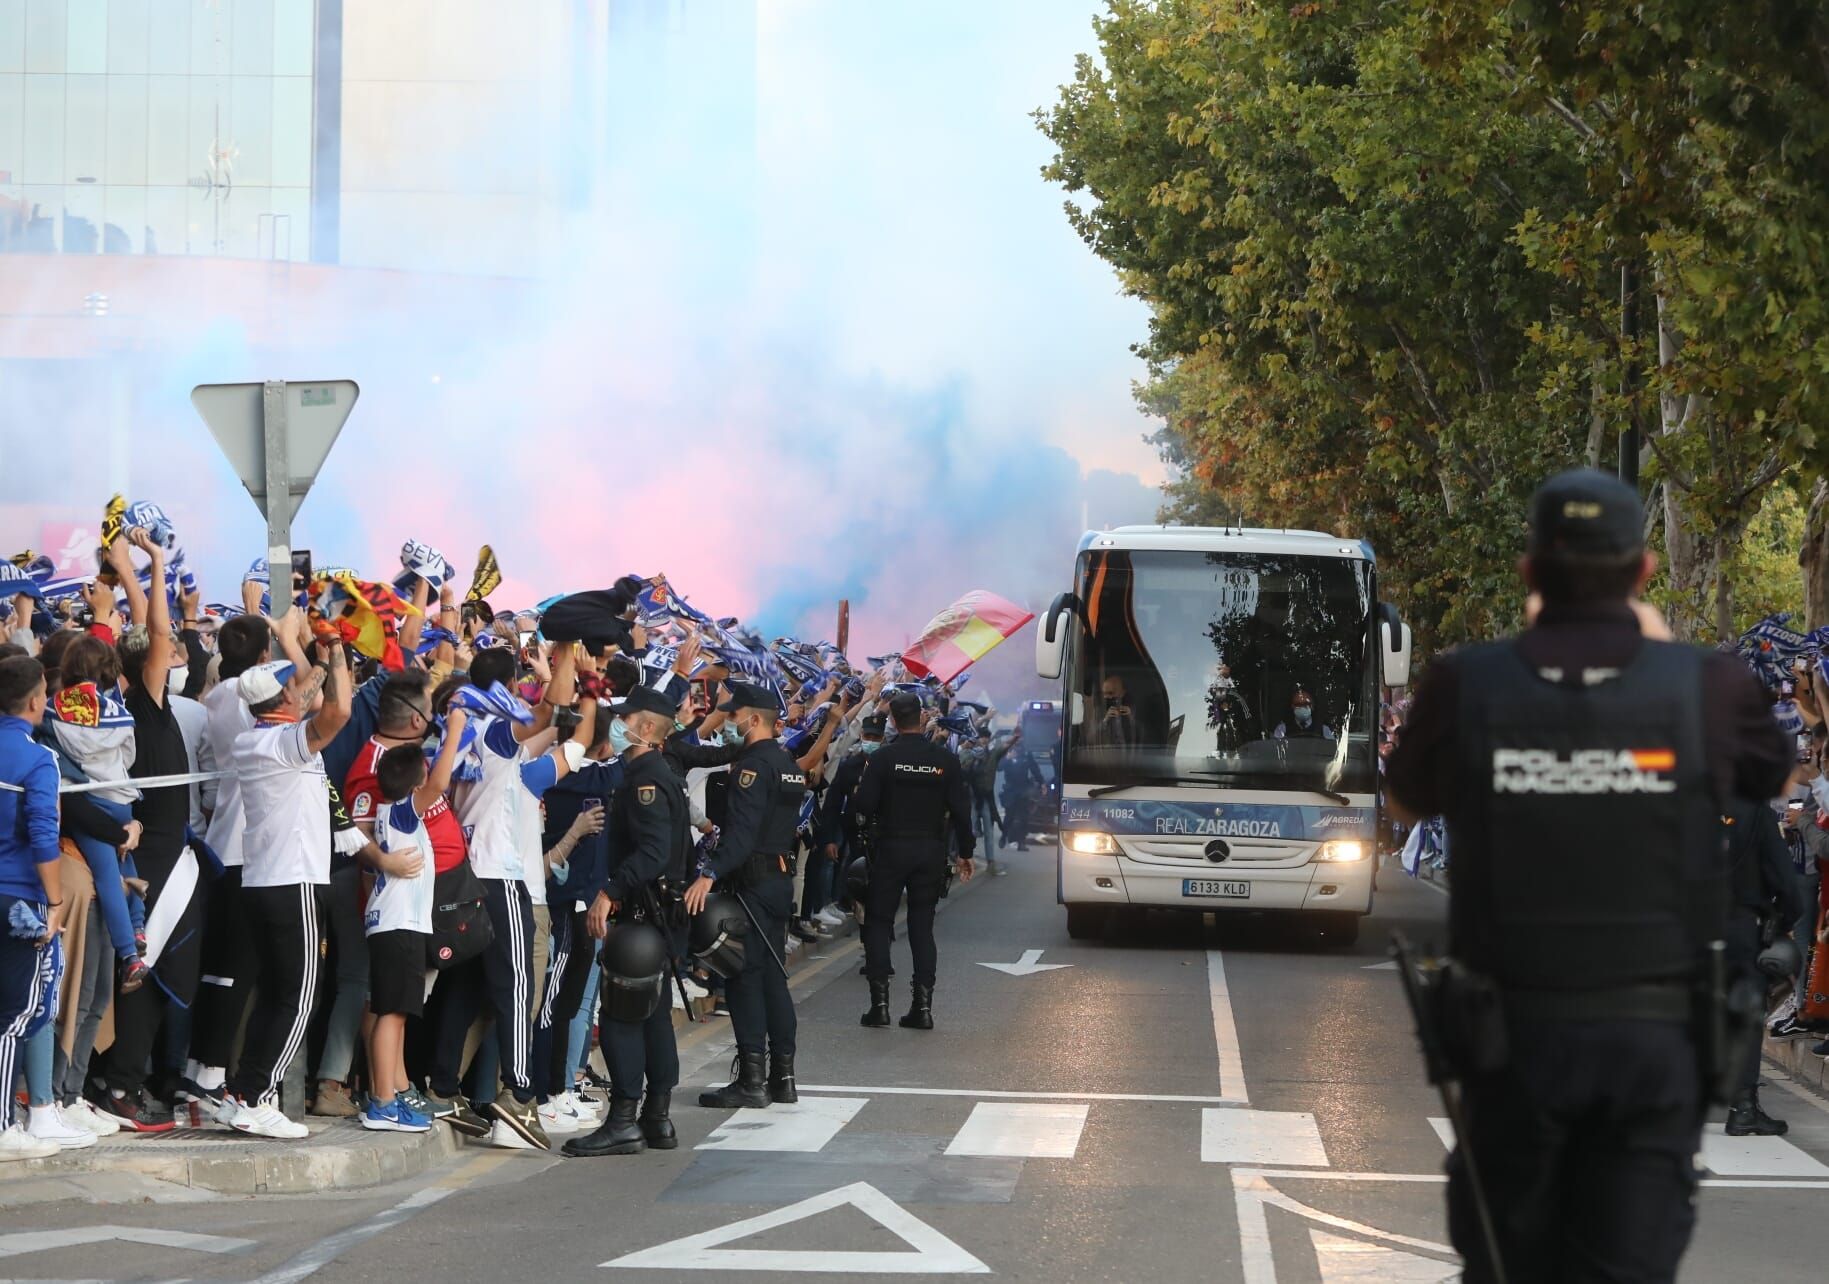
<point x="1304" y="715"/>
<point x="619" y="737"/>
<point x="730" y="733"/>
<point x="869" y="746"/>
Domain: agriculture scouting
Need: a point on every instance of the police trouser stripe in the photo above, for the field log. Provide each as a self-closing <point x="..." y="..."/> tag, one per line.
<point x="309" y="942"/>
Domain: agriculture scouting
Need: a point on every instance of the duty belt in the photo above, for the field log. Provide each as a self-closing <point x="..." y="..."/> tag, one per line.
<point x="1667" y="1001"/>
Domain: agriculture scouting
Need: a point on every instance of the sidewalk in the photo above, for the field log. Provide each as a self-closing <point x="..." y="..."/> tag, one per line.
<point x="339" y="1155"/>
<point x="1794" y="1057"/>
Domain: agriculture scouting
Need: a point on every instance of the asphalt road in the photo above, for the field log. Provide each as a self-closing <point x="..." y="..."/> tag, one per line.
<point x="1178" y="1102"/>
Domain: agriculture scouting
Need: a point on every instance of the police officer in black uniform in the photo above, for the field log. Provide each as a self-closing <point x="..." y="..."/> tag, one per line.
<point x="636" y="913"/>
<point x="912" y="790"/>
<point x="755" y="860"/>
<point x="1764" y="894"/>
<point x="1583" y="768"/>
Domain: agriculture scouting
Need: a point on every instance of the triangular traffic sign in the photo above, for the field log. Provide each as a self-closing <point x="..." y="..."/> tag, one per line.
<point x="315" y="414"/>
<point x="930" y="1252"/>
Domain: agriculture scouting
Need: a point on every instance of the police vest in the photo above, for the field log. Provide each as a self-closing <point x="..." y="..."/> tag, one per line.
<point x="1585" y="837"/>
<point x="779" y="836"/>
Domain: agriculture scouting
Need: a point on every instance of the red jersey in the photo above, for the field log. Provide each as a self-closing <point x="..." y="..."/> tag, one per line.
<point x="362" y="795"/>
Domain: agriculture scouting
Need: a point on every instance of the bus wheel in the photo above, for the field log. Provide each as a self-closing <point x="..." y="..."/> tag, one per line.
<point x="1086" y="922"/>
<point x="1337" y="928"/>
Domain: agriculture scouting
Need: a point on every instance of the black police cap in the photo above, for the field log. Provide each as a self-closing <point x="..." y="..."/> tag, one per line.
<point x="747" y="695"/>
<point x="645" y="699"/>
<point x="875" y="725"/>
<point x="904" y="707"/>
<point x="1586" y="513"/>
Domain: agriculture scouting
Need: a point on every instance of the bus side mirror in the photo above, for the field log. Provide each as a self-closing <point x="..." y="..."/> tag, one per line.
<point x="1394" y="651"/>
<point x="1051" y="636"/>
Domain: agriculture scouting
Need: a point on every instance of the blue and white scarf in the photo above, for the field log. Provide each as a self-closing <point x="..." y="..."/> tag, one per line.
<point x="419" y="560"/>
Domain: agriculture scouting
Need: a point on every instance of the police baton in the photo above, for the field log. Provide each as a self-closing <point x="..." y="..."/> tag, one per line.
<point x="756" y="926"/>
<point x="1422" y="980"/>
<point x="673" y="960"/>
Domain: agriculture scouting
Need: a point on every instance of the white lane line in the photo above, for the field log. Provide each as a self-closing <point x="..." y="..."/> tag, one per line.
<point x="1225" y="1033"/>
<point x="999" y="1094"/>
<point x="1021" y="1130"/>
<point x="1260" y="1137"/>
<point x="326" y="1251"/>
<point x="1726" y="1156"/>
<point x="801" y="1128"/>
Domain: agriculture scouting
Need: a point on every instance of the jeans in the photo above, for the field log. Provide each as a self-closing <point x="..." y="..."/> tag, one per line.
<point x="35" y="1054"/>
<point x="350" y="946"/>
<point x="1810" y="885"/>
<point x="122" y="912"/>
<point x="94" y="992"/>
<point x="816" y="883"/>
<point x="578" y="1041"/>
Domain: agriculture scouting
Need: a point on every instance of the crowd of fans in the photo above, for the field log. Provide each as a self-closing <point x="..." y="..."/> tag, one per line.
<point x="357" y="828"/>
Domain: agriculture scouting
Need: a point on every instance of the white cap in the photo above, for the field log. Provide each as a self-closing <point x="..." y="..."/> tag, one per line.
<point x="262" y="682"/>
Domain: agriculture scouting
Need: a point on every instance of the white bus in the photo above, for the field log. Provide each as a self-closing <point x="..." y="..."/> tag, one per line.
<point x="1220" y="690"/>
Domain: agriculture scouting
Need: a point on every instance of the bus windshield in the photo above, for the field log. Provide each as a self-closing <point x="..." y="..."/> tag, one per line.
<point x="1246" y="670"/>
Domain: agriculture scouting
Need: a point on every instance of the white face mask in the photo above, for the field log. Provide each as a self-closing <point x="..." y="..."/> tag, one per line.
<point x="176" y="677"/>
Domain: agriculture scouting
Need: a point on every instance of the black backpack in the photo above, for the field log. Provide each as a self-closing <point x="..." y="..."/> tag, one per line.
<point x="461" y="929"/>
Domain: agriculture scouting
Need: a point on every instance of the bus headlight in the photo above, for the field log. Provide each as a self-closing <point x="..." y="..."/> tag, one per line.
<point x="1341" y="849"/>
<point x="1090" y="842"/>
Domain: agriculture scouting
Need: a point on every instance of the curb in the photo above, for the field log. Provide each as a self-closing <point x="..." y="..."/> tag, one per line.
<point x="342" y="1155"/>
<point x="1793" y="1056"/>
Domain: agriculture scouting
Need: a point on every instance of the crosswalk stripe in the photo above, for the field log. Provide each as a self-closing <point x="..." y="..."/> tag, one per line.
<point x="1021" y="1130"/>
<point x="1261" y="1137"/>
<point x="802" y="1128"/>
<point x="1726" y="1156"/>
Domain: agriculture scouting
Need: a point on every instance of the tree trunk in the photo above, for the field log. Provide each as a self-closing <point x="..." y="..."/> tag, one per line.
<point x="1691" y="560"/>
<point x="1814" y="557"/>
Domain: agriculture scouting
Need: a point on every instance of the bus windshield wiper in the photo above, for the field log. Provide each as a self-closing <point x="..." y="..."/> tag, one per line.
<point x="1100" y="791"/>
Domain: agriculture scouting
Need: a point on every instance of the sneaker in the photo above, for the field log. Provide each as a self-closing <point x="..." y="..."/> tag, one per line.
<point x="804" y="930"/>
<point x="381" y="1116"/>
<point x="1787" y="1028"/>
<point x="1820" y="1049"/>
<point x="720" y="1008"/>
<point x="133" y="974"/>
<point x="411" y="1119"/>
<point x="594" y="1080"/>
<point x="48" y="1124"/>
<point x="558" y="1121"/>
<point x="417" y="1100"/>
<point x="17" y="1143"/>
<point x="523" y="1118"/>
<point x="584" y="1107"/>
<point x="1000" y="871"/>
<point x="695" y="991"/>
<point x="86" y="1116"/>
<point x="265" y="1121"/>
<point x="456" y="1111"/>
<point x="507" y="1138"/>
<point x="333" y="1101"/>
<point x="139" y="1113"/>
<point x="831" y="916"/>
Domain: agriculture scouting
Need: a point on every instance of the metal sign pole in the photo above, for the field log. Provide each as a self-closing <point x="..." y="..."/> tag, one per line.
<point x="278" y="503"/>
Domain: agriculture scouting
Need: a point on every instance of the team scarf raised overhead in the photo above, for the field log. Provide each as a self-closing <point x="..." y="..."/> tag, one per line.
<point x="114" y="520"/>
<point x="257" y="573"/>
<point x="1770" y="648"/>
<point x="487" y="578"/>
<point x="803" y="670"/>
<point x="419" y="560"/>
<point x="14" y="582"/>
<point x="85" y="705"/>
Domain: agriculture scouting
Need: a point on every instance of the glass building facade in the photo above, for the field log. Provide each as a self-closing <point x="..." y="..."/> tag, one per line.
<point x="157" y="127"/>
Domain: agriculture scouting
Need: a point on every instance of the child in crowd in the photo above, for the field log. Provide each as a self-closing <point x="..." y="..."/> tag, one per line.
<point x="399" y="922"/>
<point x="95" y="732"/>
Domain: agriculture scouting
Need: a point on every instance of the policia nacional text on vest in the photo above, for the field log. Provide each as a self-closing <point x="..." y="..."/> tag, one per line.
<point x="755" y="861"/>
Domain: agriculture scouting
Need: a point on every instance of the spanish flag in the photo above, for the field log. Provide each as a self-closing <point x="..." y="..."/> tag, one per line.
<point x="488" y="576"/>
<point x="963" y="634"/>
<point x="365" y="615"/>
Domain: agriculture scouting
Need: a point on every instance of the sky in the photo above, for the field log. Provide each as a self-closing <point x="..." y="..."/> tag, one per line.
<point x="830" y="335"/>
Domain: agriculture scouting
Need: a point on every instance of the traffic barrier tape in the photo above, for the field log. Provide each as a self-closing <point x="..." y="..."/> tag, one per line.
<point x="150" y="782"/>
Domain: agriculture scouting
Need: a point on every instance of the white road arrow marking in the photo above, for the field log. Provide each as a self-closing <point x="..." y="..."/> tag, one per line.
<point x="39" y="1241"/>
<point x="1028" y="965"/>
<point x="930" y="1252"/>
<point x="1390" y="965"/>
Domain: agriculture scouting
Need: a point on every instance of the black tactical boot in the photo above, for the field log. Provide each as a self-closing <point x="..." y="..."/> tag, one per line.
<point x="1746" y="1119"/>
<point x="920" y="1009"/>
<point x="749" y="1088"/>
<point x="656" y="1127"/>
<point x="878" y="1015"/>
<point x="618" y="1134"/>
<point x="781" y="1089"/>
